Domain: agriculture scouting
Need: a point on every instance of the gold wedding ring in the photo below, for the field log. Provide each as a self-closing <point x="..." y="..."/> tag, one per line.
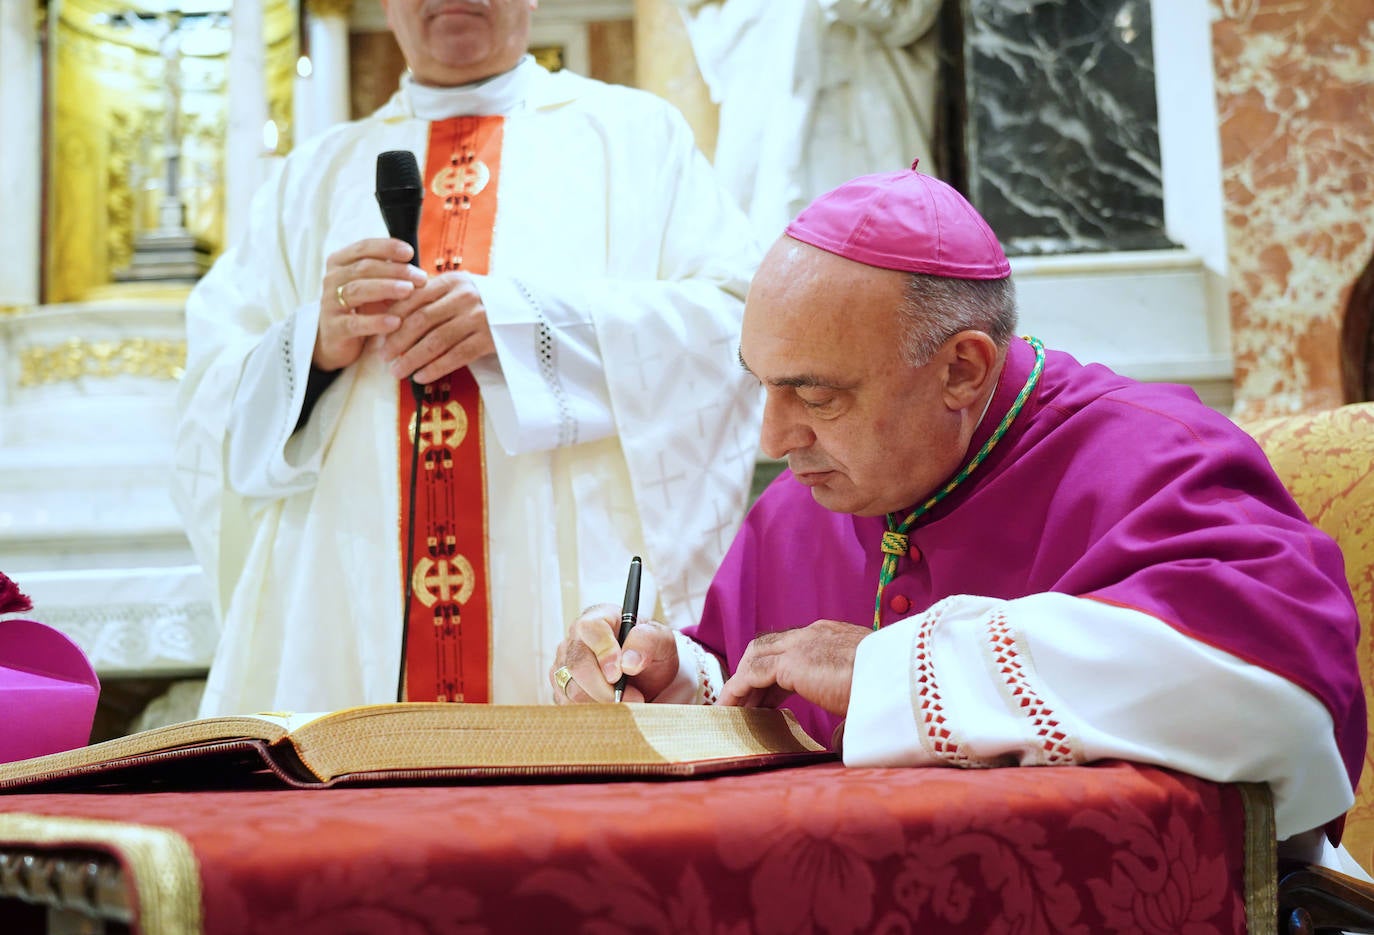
<point x="561" y="677"/>
<point x="338" y="294"/>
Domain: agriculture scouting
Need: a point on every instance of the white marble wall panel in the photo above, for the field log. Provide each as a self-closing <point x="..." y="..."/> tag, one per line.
<point x="1142" y="313"/>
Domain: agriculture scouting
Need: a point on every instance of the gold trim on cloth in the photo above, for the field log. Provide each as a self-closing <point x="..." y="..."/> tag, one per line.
<point x="163" y="869"/>
<point x="75" y="358"/>
<point x="1261" y="857"/>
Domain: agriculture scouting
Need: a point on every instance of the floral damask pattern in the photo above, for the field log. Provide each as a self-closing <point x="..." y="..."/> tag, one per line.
<point x="1326" y="460"/>
<point x="1158" y="878"/>
<point x="1113" y="847"/>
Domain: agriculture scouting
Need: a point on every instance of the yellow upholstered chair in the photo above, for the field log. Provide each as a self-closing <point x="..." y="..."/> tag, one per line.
<point x="1326" y="459"/>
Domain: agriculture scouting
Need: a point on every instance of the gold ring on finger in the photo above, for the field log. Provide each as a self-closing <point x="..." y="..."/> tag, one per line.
<point x="561" y="677"/>
<point x="338" y="294"/>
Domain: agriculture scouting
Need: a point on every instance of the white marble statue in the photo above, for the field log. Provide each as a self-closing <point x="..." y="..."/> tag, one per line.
<point x="813" y="93"/>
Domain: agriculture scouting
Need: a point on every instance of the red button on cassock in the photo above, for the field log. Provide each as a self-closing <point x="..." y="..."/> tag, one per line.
<point x="899" y="603"/>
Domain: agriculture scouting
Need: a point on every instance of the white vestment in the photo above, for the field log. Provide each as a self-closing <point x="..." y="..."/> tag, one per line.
<point x="618" y="420"/>
<point x="1073" y="647"/>
<point x="1174" y="701"/>
<point x="813" y="93"/>
<point x="1240" y="722"/>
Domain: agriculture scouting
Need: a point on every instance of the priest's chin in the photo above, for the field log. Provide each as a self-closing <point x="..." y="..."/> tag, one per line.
<point x="837" y="493"/>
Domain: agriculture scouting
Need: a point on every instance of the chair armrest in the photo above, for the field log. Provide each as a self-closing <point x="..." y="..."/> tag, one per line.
<point x="1314" y="899"/>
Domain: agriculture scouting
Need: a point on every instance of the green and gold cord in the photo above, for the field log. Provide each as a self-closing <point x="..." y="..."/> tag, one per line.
<point x="895" y="539"/>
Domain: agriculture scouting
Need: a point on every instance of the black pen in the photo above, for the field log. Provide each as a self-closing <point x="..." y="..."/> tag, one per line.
<point x="629" y="610"/>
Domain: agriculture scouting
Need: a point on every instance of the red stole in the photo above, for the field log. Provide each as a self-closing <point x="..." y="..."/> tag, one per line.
<point x="448" y="640"/>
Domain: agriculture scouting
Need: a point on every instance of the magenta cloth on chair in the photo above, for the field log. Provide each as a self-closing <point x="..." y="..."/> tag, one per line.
<point x="48" y="691"/>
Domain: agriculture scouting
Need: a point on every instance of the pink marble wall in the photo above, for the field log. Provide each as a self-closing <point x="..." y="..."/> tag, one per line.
<point x="1295" y="101"/>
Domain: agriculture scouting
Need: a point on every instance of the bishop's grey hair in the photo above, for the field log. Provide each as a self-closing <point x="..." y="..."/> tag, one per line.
<point x="936" y="307"/>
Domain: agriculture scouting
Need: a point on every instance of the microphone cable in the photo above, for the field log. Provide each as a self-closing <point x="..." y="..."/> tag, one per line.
<point x="417" y="389"/>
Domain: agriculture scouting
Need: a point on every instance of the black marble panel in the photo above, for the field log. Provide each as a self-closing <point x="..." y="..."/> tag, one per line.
<point x="1061" y="131"/>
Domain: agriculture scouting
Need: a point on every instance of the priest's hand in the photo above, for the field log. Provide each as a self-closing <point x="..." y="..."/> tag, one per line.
<point x="815" y="661"/>
<point x="361" y="283"/>
<point x="594" y="659"/>
<point x="443" y="328"/>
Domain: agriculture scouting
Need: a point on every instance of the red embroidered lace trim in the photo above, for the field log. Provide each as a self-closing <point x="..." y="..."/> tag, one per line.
<point x="938" y="737"/>
<point x="1011" y="663"/>
<point x="709" y="681"/>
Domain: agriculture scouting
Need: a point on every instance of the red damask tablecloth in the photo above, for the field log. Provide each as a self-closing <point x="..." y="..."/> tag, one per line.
<point x="1109" y="848"/>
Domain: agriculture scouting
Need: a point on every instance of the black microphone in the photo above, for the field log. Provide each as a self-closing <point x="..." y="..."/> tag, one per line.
<point x="399" y="194"/>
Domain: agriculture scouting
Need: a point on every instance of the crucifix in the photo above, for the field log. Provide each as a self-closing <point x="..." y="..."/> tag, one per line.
<point x="169" y="251"/>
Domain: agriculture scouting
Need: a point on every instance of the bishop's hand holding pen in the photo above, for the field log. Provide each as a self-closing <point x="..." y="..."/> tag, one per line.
<point x="592" y="665"/>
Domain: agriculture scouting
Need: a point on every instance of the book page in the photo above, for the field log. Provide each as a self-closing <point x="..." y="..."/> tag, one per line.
<point x="421" y="736"/>
<point x="681" y="736"/>
<point x="289" y="721"/>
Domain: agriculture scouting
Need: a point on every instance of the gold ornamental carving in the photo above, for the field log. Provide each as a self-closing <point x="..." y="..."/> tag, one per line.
<point x="550" y="56"/>
<point x="110" y="165"/>
<point x="75" y="359"/>
<point x="324" y="8"/>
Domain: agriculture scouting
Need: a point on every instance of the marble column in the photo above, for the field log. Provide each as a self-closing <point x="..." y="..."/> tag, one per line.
<point x="20" y="156"/>
<point x="245" y="157"/>
<point x="1062" y="131"/>
<point x="665" y="65"/>
<point x="323" y="98"/>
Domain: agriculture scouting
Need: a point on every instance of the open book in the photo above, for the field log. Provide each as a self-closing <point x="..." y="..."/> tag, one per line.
<point x="429" y="741"/>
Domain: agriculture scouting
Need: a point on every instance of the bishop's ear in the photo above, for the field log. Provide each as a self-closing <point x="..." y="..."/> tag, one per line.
<point x="971" y="368"/>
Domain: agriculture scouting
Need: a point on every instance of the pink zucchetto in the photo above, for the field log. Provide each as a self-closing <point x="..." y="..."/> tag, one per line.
<point x="905" y="221"/>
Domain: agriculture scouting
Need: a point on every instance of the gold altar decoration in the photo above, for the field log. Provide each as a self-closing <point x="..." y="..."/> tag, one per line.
<point x="550" y="56"/>
<point x="108" y="111"/>
<point x="75" y="358"/>
<point x="328" y="7"/>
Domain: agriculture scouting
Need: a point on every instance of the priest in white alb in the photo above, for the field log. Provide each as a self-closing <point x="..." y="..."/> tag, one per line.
<point x="571" y="331"/>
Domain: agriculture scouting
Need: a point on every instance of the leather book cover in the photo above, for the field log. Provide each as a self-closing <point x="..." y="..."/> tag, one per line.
<point x="430" y="742"/>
